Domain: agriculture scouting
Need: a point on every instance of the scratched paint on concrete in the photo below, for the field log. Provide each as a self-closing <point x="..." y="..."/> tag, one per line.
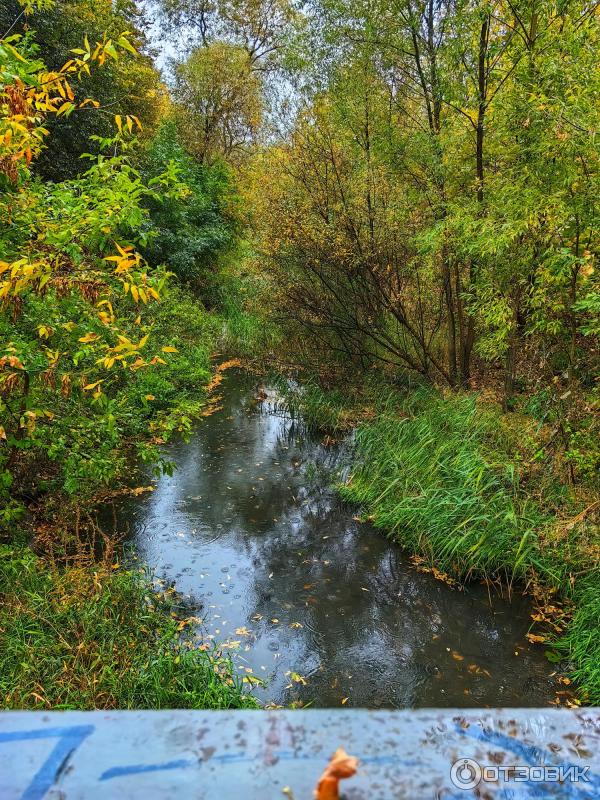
<point x="255" y="755"/>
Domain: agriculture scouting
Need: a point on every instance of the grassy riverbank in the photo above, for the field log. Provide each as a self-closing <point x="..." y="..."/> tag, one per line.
<point x="90" y="636"/>
<point x="476" y="494"/>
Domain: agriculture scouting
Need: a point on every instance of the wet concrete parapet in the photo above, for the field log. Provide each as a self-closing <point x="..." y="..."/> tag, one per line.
<point x="252" y="755"/>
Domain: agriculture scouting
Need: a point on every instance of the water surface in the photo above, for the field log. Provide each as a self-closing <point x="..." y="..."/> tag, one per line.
<point x="306" y="597"/>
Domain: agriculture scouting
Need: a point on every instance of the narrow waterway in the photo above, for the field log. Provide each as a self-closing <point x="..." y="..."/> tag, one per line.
<point x="316" y="604"/>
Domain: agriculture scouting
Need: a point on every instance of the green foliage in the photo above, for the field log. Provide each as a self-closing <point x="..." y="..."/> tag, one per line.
<point x="85" y="637"/>
<point x="130" y="85"/>
<point x="192" y="230"/>
<point x="82" y="329"/>
<point x="434" y="206"/>
<point x="237" y="294"/>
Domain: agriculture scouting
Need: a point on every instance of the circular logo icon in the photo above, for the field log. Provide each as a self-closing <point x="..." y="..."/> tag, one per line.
<point x="465" y="773"/>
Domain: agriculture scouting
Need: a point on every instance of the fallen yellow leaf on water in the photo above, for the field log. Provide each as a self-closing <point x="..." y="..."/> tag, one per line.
<point x="141" y="490"/>
<point x="341" y="766"/>
<point x="298" y="678"/>
<point x="535" y="638"/>
<point x="345" y="700"/>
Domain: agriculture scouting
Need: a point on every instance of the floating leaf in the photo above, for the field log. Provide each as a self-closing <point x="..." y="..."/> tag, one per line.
<point x="533" y="637"/>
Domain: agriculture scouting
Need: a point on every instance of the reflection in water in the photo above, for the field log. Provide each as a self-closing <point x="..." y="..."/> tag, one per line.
<point x="324" y="608"/>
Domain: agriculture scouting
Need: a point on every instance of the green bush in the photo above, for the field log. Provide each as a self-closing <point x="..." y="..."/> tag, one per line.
<point x="189" y="232"/>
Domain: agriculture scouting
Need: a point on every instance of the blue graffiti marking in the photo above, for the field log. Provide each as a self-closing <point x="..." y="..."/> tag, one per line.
<point x="182" y="763"/>
<point x="238" y="758"/>
<point x="69" y="739"/>
<point x="136" y="769"/>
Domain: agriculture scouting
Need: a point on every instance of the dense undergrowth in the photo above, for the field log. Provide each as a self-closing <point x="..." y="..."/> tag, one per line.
<point x="474" y="493"/>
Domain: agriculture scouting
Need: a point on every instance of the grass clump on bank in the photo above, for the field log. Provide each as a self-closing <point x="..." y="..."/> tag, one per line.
<point x="89" y="636"/>
<point x="423" y="477"/>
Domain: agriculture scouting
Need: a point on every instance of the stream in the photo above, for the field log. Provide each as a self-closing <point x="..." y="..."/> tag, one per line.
<point x="319" y="606"/>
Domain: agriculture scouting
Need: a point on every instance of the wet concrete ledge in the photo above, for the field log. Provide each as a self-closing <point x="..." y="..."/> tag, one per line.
<point x="252" y="755"/>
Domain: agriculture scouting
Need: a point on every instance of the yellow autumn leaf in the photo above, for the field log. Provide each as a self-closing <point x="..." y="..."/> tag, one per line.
<point x="535" y="638"/>
<point x="298" y="678"/>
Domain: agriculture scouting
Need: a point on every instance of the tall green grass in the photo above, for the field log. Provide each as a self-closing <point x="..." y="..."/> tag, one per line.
<point x="322" y="411"/>
<point x="581" y="642"/>
<point x="89" y="636"/>
<point x="423" y="475"/>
